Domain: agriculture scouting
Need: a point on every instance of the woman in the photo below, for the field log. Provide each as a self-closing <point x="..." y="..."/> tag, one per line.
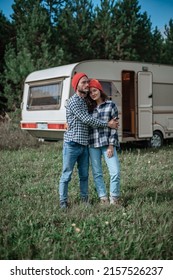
<point x="103" y="142"/>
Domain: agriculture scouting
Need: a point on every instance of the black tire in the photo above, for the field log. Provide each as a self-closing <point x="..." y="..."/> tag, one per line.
<point x="157" y="140"/>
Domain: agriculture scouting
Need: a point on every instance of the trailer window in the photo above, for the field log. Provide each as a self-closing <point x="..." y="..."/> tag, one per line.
<point x="107" y="88"/>
<point x="45" y="97"/>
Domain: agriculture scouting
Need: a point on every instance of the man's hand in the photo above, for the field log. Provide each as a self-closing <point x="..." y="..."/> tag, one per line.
<point x="114" y="123"/>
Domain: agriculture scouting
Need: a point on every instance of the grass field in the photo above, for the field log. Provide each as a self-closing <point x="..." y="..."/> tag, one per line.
<point x="33" y="227"/>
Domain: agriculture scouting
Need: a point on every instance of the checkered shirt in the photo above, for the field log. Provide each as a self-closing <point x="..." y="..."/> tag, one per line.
<point x="99" y="137"/>
<point x="79" y="120"/>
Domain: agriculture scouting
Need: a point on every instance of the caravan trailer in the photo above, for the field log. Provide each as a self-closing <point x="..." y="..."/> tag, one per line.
<point x="143" y="93"/>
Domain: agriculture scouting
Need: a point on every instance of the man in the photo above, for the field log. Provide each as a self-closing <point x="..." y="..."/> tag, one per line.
<point x="75" y="149"/>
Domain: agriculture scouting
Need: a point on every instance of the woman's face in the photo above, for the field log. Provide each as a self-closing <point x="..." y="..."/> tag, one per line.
<point x="94" y="93"/>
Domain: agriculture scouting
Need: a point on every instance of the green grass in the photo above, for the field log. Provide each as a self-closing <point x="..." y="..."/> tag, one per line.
<point x="33" y="227"/>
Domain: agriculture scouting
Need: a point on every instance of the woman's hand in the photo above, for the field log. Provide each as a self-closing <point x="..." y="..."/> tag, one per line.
<point x="110" y="151"/>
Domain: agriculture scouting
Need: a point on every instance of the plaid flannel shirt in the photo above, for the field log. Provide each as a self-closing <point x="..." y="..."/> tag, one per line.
<point x="79" y="120"/>
<point x="99" y="137"/>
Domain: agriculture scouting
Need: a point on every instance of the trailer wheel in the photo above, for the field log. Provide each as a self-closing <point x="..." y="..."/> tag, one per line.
<point x="157" y="140"/>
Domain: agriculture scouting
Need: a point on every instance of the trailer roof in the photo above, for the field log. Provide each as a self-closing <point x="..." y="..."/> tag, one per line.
<point x="161" y="72"/>
<point x="59" y="71"/>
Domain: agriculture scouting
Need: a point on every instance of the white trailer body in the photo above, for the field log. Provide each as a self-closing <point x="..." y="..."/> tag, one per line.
<point x="143" y="93"/>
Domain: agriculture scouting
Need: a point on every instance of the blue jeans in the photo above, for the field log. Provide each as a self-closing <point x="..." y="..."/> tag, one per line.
<point x="113" y="167"/>
<point x="74" y="153"/>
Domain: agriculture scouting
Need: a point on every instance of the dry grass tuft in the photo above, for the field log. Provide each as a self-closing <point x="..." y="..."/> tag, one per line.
<point x="12" y="137"/>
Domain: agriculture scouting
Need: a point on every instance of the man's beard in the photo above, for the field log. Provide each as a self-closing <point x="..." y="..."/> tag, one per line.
<point x="84" y="92"/>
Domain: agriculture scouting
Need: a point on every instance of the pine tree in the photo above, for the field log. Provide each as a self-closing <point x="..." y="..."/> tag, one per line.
<point x="103" y="33"/>
<point x="156" y="47"/>
<point x="116" y="25"/>
<point x="34" y="48"/>
<point x="126" y="26"/>
<point x="74" y="27"/>
<point x="7" y="35"/>
<point x="168" y="44"/>
<point x="142" y="40"/>
<point x="47" y="33"/>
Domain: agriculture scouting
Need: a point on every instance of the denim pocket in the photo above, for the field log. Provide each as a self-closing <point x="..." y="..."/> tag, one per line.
<point x="73" y="144"/>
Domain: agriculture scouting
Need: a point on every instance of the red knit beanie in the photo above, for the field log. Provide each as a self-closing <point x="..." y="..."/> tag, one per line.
<point x="96" y="84"/>
<point x="76" y="79"/>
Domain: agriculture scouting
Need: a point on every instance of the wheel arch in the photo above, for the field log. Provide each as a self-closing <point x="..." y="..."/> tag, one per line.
<point x="160" y="129"/>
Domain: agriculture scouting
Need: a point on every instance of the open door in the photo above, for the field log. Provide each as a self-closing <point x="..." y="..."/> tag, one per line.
<point x="145" y="109"/>
<point x="128" y="104"/>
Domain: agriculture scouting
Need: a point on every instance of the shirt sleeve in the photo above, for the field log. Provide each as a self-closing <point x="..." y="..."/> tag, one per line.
<point x="113" y="138"/>
<point x="79" y="109"/>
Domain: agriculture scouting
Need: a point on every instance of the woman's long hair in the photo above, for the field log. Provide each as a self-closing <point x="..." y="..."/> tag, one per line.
<point x="92" y="103"/>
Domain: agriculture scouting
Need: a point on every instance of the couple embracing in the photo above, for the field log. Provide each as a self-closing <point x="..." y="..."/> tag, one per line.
<point x="92" y="133"/>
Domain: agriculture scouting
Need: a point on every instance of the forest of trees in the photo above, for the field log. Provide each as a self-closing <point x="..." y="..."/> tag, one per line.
<point x="48" y="33"/>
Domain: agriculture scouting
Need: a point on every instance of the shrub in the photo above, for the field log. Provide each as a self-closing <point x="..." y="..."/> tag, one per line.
<point x="12" y="137"/>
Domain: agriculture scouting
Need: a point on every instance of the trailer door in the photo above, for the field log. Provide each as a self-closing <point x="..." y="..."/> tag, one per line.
<point x="145" y="110"/>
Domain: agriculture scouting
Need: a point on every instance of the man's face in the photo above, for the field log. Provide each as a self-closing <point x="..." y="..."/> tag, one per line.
<point x="83" y="84"/>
